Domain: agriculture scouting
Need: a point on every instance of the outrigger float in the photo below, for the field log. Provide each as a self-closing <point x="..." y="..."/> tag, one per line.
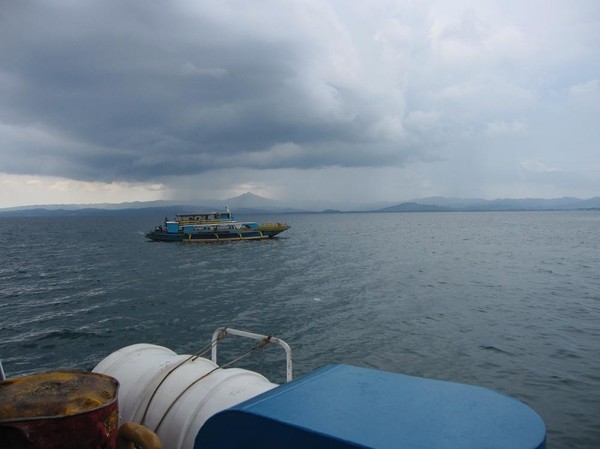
<point x="190" y="402"/>
<point x="213" y="227"/>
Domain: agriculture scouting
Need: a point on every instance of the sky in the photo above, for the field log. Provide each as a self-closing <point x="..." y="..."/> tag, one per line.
<point x="123" y="100"/>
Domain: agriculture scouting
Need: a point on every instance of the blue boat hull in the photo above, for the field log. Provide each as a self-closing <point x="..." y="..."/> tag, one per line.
<point x="221" y="236"/>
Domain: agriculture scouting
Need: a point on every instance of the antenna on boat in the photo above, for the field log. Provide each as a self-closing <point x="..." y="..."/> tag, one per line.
<point x="227" y="209"/>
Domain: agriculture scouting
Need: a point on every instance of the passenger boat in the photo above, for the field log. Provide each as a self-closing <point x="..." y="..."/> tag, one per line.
<point x="172" y="401"/>
<point x="212" y="227"/>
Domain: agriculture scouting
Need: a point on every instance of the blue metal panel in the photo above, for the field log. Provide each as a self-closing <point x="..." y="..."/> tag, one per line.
<point x="172" y="227"/>
<point x="342" y="406"/>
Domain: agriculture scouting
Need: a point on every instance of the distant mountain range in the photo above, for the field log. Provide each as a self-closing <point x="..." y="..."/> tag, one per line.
<point x="249" y="203"/>
<point x="443" y="204"/>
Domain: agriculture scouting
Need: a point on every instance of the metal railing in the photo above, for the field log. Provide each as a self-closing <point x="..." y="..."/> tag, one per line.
<point x="222" y="332"/>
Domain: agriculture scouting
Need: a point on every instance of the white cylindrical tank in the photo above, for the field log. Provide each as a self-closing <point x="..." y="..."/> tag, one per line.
<point x="176" y="403"/>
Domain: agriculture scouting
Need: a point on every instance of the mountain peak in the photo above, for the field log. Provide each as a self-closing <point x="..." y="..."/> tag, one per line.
<point x="250" y="200"/>
<point x="250" y="195"/>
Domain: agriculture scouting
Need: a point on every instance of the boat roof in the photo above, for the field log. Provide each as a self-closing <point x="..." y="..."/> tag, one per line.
<point x="199" y="214"/>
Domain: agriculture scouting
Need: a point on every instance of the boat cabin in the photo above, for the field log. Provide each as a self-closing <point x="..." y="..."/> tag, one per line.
<point x="204" y="217"/>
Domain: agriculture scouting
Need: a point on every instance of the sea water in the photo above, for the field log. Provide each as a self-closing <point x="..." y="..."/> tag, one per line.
<point x="509" y="301"/>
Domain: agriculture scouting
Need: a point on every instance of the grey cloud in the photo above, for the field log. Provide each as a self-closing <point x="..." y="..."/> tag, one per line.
<point x="148" y="92"/>
<point x="133" y="91"/>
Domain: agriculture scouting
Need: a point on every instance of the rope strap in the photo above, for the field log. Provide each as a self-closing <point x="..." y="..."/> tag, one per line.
<point x="222" y="334"/>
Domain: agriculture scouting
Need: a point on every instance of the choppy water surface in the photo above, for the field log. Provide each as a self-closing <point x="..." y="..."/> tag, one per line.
<point x="509" y="301"/>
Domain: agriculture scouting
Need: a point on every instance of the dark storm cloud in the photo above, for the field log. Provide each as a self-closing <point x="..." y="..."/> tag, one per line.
<point x="438" y="97"/>
<point x="130" y="90"/>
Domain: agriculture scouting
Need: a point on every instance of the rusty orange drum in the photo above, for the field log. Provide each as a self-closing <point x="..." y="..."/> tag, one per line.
<point x="59" y="410"/>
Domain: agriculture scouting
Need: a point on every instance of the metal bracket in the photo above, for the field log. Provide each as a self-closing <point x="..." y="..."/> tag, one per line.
<point x="222" y="332"/>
